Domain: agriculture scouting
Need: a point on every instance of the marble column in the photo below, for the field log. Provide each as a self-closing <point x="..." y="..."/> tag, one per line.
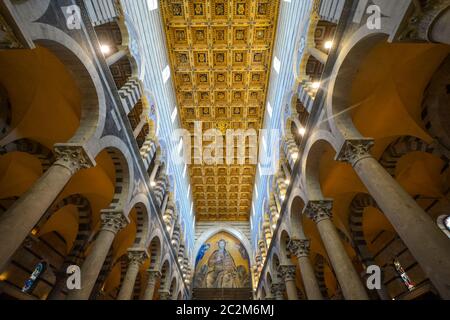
<point x="136" y="258"/>
<point x="277" y="290"/>
<point x="153" y="277"/>
<point x="287" y="273"/>
<point x="300" y="249"/>
<point x="427" y="243"/>
<point x="57" y="291"/>
<point x="112" y="223"/>
<point x="320" y="212"/>
<point x="18" y="221"/>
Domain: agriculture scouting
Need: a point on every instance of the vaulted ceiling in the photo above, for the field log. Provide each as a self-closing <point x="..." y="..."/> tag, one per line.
<point x="221" y="54"/>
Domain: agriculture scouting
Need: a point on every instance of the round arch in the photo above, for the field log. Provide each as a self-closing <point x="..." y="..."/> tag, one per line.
<point x="317" y="145"/>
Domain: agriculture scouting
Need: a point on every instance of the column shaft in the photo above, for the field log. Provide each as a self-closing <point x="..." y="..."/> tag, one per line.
<point x="300" y="249"/>
<point x="309" y="279"/>
<point x="346" y="274"/>
<point x="154" y="171"/>
<point x="57" y="291"/>
<point x="291" y="289"/>
<point x="92" y="265"/>
<point x="277" y="291"/>
<point x="126" y="290"/>
<point x="136" y="257"/>
<point x="419" y="232"/>
<point x="149" y="291"/>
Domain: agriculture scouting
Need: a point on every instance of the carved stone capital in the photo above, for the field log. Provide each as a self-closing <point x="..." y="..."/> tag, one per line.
<point x="287" y="272"/>
<point x="318" y="210"/>
<point x="299" y="247"/>
<point x="113" y="221"/>
<point x="137" y="256"/>
<point x="277" y="289"/>
<point x="73" y="157"/>
<point x="353" y="151"/>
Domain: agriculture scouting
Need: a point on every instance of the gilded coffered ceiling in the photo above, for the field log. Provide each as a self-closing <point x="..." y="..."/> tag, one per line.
<point x="221" y="53"/>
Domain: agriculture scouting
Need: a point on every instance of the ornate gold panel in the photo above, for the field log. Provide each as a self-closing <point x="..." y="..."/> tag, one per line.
<point x="221" y="54"/>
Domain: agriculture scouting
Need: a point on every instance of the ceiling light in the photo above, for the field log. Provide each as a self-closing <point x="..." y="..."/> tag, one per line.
<point x="105" y="49"/>
<point x="328" y="45"/>
<point x="152" y="184"/>
<point x="287" y="181"/>
<point x="295" y="156"/>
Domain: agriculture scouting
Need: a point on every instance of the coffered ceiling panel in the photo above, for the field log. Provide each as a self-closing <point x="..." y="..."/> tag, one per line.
<point x="221" y="53"/>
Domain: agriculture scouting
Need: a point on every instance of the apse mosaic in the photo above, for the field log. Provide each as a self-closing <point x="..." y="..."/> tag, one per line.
<point x="222" y="262"/>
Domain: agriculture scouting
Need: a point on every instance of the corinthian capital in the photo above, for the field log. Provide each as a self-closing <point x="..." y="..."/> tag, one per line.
<point x="113" y="221"/>
<point x="287" y="272"/>
<point x="137" y="256"/>
<point x="354" y="150"/>
<point x="318" y="210"/>
<point x="73" y="157"/>
<point x="299" y="247"/>
<point x="153" y="275"/>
